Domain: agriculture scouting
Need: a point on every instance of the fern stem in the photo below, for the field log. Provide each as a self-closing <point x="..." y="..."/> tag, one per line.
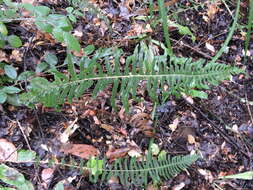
<point x="163" y="15"/>
<point x="224" y="45"/>
<point x="249" y="26"/>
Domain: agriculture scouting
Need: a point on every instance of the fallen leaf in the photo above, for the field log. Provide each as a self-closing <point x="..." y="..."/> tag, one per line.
<point x="212" y="9"/>
<point x="210" y="47"/>
<point x="191" y="139"/>
<point x="113" y="153"/>
<point x="46" y="176"/>
<point x="108" y="128"/>
<point x="64" y="137"/>
<point x="81" y="150"/>
<point x="173" y="126"/>
<point x="8" y="151"/>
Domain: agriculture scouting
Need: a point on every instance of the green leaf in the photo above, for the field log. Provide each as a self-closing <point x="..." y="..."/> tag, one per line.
<point x="12" y="177"/>
<point x="13" y="99"/>
<point x="59" y="186"/>
<point x="28" y="7"/>
<point x="11" y="90"/>
<point x="41" y="11"/>
<point x="245" y="175"/>
<point x="3" y="29"/>
<point x="2" y="42"/>
<point x="26" y="155"/>
<point x="69" y="9"/>
<point x="71" y="42"/>
<point x="43" y="25"/>
<point x="14" y="41"/>
<point x="58" y="34"/>
<point x="155" y="149"/>
<point x="51" y="59"/>
<point x="25" y="75"/>
<point x="59" y="21"/>
<point x="72" y="18"/>
<point x="95" y="166"/>
<point x="41" y="67"/>
<point x="10" y="71"/>
<point x="89" y="49"/>
<point x="198" y="94"/>
<point x="3" y="97"/>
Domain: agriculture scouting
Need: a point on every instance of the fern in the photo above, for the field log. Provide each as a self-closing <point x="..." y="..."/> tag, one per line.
<point x="104" y="69"/>
<point x="130" y="171"/>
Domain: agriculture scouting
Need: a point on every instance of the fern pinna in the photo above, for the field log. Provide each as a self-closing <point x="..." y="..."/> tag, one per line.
<point x="131" y="171"/>
<point x="105" y="69"/>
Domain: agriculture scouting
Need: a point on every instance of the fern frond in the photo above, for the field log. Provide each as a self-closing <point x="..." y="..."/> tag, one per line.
<point x="131" y="171"/>
<point x="104" y="69"/>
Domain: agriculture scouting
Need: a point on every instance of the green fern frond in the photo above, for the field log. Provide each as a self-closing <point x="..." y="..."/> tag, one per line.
<point x="131" y="171"/>
<point x="104" y="69"/>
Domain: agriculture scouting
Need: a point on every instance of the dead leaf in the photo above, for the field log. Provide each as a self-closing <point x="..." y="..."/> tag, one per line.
<point x="113" y="153"/>
<point x="8" y="151"/>
<point x="3" y="57"/>
<point x="173" y="126"/>
<point x="210" y="47"/>
<point x="108" y="128"/>
<point x="81" y="150"/>
<point x="46" y="176"/>
<point x="212" y="9"/>
<point x="191" y="139"/>
<point x="16" y="55"/>
<point x="64" y="137"/>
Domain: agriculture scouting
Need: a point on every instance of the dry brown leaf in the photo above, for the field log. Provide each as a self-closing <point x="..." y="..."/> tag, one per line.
<point x="212" y="9"/>
<point x="191" y="139"/>
<point x="173" y="126"/>
<point x="16" y="55"/>
<point x="113" y="153"/>
<point x="3" y="57"/>
<point x="81" y="150"/>
<point x="46" y="176"/>
<point x="8" y="151"/>
<point x="108" y="128"/>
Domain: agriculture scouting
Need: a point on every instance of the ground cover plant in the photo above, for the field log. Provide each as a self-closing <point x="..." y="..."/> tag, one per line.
<point x="126" y="94"/>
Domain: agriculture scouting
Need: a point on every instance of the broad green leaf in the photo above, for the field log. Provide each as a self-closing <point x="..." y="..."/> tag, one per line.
<point x="10" y="71"/>
<point x="26" y="155"/>
<point x="11" y="90"/>
<point x="59" y="186"/>
<point x="13" y="99"/>
<point x="69" y="9"/>
<point x="245" y="175"/>
<point x="13" y="177"/>
<point x="72" y="18"/>
<point x="51" y="59"/>
<point x="89" y="49"/>
<point x="59" y="21"/>
<point x="14" y="41"/>
<point x="41" y="67"/>
<point x="25" y="75"/>
<point x="3" y="97"/>
<point x="28" y="7"/>
<point x="2" y="42"/>
<point x="58" y="34"/>
<point x="71" y="42"/>
<point x="41" y="11"/>
<point x="39" y="83"/>
<point x="3" y="29"/>
<point x="41" y="23"/>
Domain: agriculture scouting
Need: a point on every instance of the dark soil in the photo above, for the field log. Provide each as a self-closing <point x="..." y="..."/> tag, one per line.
<point x="221" y="125"/>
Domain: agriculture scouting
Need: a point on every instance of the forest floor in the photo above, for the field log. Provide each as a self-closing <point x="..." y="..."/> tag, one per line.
<point x="220" y="128"/>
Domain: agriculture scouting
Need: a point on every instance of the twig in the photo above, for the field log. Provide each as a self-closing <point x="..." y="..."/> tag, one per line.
<point x="24" y="135"/>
